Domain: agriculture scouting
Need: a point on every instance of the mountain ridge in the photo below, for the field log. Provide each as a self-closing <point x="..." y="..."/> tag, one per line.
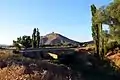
<point x="57" y="39"/>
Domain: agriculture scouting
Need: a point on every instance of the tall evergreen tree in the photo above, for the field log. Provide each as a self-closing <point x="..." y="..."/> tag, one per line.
<point x="34" y="38"/>
<point x="95" y="30"/>
<point x="38" y="38"/>
<point x="99" y="17"/>
<point x="109" y="15"/>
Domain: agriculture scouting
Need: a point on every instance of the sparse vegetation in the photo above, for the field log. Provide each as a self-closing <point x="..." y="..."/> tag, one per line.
<point x="27" y="41"/>
<point x="97" y="61"/>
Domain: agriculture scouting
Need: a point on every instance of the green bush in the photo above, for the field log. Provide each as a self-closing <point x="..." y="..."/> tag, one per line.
<point x="111" y="45"/>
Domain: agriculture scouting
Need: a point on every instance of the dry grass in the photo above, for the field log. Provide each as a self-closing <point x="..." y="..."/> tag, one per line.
<point x="17" y="73"/>
<point x="4" y="54"/>
<point x="12" y="71"/>
<point x="17" y="67"/>
<point x="115" y="58"/>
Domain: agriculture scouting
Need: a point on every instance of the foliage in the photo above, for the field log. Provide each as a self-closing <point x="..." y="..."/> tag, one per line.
<point x="18" y="47"/>
<point x="36" y="38"/>
<point x="109" y="15"/>
<point x="27" y="41"/>
<point x="24" y="41"/>
<point x="111" y="45"/>
<point x="95" y="31"/>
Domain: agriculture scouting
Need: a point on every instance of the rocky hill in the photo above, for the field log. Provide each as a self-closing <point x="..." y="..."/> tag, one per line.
<point x="57" y="39"/>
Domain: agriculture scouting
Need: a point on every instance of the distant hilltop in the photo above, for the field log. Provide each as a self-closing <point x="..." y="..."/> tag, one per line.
<point x="57" y="39"/>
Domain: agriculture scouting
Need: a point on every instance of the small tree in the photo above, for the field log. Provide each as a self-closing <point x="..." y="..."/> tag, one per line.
<point x="18" y="47"/>
<point x="24" y="41"/>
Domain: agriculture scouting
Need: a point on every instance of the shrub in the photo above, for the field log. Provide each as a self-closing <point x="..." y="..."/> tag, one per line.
<point x="15" y="51"/>
<point x="111" y="45"/>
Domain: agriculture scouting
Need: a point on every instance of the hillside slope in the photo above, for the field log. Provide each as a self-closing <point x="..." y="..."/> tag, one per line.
<point x="57" y="39"/>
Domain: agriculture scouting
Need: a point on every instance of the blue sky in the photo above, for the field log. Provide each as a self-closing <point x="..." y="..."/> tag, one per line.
<point x="71" y="18"/>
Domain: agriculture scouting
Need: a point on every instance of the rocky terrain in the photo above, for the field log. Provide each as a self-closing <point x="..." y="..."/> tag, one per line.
<point x="57" y="39"/>
<point x="80" y="65"/>
<point x="17" y="67"/>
